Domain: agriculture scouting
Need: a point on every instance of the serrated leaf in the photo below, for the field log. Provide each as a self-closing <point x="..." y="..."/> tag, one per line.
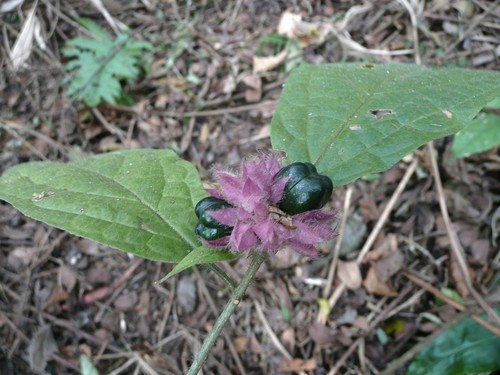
<point x="94" y="28"/>
<point x="353" y="119"/>
<point x="140" y="201"/>
<point x="98" y="48"/>
<point x="201" y="255"/>
<point x="99" y="64"/>
<point x="464" y="349"/>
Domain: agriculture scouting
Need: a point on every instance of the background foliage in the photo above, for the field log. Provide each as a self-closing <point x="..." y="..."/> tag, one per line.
<point x="354" y="119"/>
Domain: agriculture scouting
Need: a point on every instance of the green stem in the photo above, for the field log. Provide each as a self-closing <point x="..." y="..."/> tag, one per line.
<point x="237" y="294"/>
<point x="224" y="276"/>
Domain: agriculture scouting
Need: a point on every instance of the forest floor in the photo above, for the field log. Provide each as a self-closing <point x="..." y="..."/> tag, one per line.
<point x="208" y="90"/>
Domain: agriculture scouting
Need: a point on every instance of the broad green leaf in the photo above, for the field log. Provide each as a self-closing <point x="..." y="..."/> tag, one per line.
<point x="201" y="255"/>
<point x="465" y="349"/>
<point x="479" y="135"/>
<point x="353" y="119"/>
<point x="140" y="201"/>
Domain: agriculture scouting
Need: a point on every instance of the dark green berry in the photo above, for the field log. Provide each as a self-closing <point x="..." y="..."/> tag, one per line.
<point x="305" y="190"/>
<point x="211" y="233"/>
<point x="207" y="227"/>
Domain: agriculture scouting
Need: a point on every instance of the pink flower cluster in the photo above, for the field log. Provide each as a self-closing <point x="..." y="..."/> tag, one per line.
<point x="257" y="221"/>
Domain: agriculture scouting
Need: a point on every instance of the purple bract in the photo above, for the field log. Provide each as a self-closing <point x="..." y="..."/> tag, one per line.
<point x="257" y="221"/>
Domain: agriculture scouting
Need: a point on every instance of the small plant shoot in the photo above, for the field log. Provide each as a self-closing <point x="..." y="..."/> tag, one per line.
<point x="98" y="64"/>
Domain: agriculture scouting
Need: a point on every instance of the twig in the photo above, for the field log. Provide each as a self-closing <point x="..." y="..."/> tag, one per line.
<point x="276" y="342"/>
<point x="456" y="246"/>
<point x="470" y="27"/>
<point x="25" y="338"/>
<point x="338" y="243"/>
<point x="274" y="339"/>
<point x="414" y="31"/>
<point x="337" y="293"/>
<point x="110" y="127"/>
<point x="387" y="210"/>
<point x="69" y="326"/>
<point x="383" y="315"/>
<point x="146" y="367"/>
<point x="10" y="125"/>
<point x="452" y="302"/>
<point x="123" y="367"/>
<point x="355" y="46"/>
<point x="166" y="307"/>
<point x="218" y="112"/>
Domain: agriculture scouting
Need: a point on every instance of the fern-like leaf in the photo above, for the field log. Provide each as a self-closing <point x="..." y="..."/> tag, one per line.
<point x="98" y="64"/>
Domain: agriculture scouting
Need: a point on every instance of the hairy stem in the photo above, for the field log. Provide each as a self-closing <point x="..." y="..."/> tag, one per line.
<point x="237" y="294"/>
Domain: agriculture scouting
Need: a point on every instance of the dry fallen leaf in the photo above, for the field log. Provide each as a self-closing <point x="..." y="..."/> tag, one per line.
<point x="377" y="279"/>
<point x="265" y="64"/>
<point x="142" y="307"/>
<point x="389" y="265"/>
<point x="374" y="285"/>
<point x="322" y="335"/>
<point x="10" y="5"/>
<point x="67" y="276"/>
<point x="347" y="317"/>
<point x="99" y="275"/>
<point x="307" y="33"/>
<point x="288" y="338"/>
<point x="297" y="365"/>
<point x="253" y="93"/>
<point x="41" y="348"/>
<point x="20" y="258"/>
<point x="255" y="345"/>
<point x="480" y="250"/>
<point x="350" y="275"/>
<point x="58" y="295"/>
<point x="240" y="344"/>
<point x="24" y="42"/>
<point x="362" y="323"/>
<point x="456" y="274"/>
<point x="287" y="23"/>
<point x="186" y="293"/>
<point x="126" y="302"/>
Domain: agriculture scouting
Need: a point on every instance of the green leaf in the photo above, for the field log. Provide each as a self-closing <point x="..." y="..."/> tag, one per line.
<point x="94" y="28"/>
<point x="453" y="294"/>
<point x="99" y="64"/>
<point x="201" y="255"/>
<point x="86" y="366"/>
<point x="466" y="348"/>
<point x="140" y="201"/>
<point x="354" y="119"/>
<point x="481" y="134"/>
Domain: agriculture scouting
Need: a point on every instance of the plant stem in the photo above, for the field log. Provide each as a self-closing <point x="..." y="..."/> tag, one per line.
<point x="237" y="294"/>
<point x="230" y="283"/>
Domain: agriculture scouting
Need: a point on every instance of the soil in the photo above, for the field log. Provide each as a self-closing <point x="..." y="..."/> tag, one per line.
<point x="208" y="90"/>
